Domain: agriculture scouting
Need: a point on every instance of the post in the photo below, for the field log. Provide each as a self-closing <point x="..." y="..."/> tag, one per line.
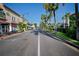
<point x="10" y="27"/>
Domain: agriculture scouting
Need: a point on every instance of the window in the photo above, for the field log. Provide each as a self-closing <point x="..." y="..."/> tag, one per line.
<point x="8" y="14"/>
<point x="13" y="19"/>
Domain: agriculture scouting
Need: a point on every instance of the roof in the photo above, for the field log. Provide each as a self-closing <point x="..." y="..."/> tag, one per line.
<point x="12" y="10"/>
<point x="1" y="7"/>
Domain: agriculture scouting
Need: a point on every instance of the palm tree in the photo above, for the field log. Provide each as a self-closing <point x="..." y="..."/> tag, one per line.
<point x="52" y="7"/>
<point x="43" y="23"/>
<point x="43" y="18"/>
<point x="46" y="6"/>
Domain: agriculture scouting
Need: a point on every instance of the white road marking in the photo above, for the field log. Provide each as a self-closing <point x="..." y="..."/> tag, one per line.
<point x="38" y="44"/>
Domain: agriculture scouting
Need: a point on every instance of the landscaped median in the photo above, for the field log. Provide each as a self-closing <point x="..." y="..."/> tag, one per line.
<point x="62" y="36"/>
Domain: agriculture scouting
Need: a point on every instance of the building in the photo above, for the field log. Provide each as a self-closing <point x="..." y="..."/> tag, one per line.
<point x="31" y="26"/>
<point x="66" y="21"/>
<point x="9" y="19"/>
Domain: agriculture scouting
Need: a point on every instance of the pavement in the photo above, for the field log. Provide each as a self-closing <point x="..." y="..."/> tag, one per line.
<point x="32" y="43"/>
<point x="24" y="44"/>
<point x="53" y="47"/>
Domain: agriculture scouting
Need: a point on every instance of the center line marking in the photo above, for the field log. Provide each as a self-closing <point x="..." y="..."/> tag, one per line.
<point x="38" y="44"/>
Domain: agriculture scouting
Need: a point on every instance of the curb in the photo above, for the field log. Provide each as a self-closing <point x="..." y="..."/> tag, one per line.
<point x="70" y="43"/>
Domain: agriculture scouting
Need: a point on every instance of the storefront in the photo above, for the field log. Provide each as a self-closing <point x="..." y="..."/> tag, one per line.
<point x="6" y="28"/>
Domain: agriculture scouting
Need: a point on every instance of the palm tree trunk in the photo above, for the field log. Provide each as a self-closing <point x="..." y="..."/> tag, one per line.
<point x="54" y="20"/>
<point x="46" y="21"/>
<point x="77" y="21"/>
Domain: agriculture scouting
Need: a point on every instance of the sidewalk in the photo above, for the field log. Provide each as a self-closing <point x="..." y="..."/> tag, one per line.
<point x="4" y="37"/>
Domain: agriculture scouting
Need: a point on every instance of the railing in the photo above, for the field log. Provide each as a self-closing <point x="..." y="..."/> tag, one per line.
<point x="2" y="15"/>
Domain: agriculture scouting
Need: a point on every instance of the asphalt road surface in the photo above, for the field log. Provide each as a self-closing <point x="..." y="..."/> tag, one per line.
<point x="25" y="44"/>
<point x="31" y="43"/>
<point x="53" y="47"/>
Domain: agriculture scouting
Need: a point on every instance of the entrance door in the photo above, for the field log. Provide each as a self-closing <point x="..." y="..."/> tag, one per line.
<point x="0" y="29"/>
<point x="5" y="28"/>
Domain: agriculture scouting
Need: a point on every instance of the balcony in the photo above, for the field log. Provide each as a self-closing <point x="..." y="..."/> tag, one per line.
<point x="2" y="15"/>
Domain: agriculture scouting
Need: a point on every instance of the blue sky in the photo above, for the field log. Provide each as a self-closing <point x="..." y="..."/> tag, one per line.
<point x="33" y="11"/>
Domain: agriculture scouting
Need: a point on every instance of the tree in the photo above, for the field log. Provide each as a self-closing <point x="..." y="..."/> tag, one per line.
<point x="71" y="30"/>
<point x="22" y="26"/>
<point x="77" y="21"/>
<point x="46" y="6"/>
<point x="50" y="28"/>
<point x="43" y="23"/>
<point x="43" y="18"/>
<point x="52" y="7"/>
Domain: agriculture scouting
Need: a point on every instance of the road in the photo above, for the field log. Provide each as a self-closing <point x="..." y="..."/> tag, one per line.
<point x="27" y="44"/>
<point x="53" y="47"/>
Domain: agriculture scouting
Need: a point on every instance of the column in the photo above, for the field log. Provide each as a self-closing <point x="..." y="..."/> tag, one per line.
<point x="10" y="27"/>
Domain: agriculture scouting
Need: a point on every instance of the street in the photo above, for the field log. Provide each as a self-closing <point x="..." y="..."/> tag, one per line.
<point x="53" y="47"/>
<point x="31" y="43"/>
<point x="25" y="44"/>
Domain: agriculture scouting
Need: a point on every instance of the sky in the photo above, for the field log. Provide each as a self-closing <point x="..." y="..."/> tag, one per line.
<point x="33" y="11"/>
